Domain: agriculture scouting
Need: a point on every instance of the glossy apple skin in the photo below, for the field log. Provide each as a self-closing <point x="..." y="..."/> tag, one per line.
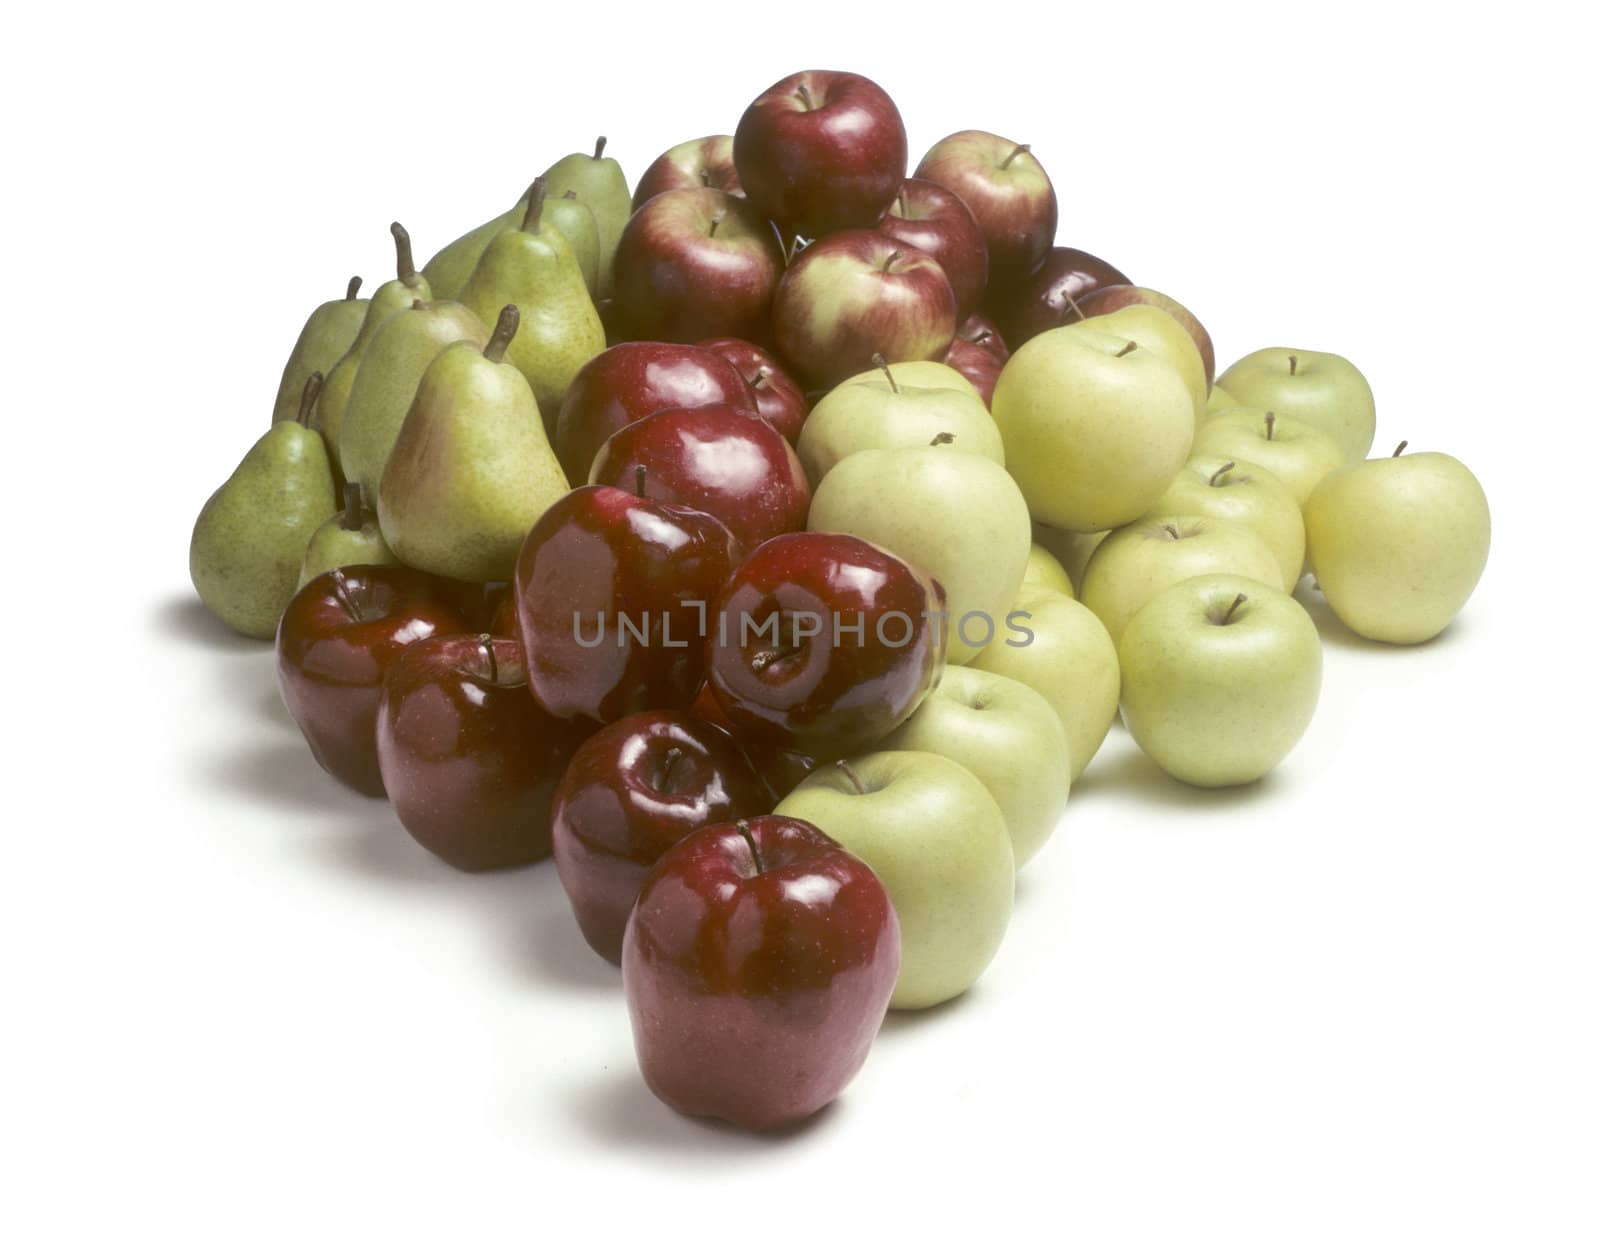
<point x="1008" y="192"/>
<point x="337" y="639"/>
<point x="723" y="460"/>
<point x="779" y="768"/>
<point x="1052" y="295"/>
<point x="697" y="264"/>
<point x="858" y="294"/>
<point x="779" y="399"/>
<point x="757" y="967"/>
<point x="602" y="550"/>
<point x="630" y="381"/>
<point x="469" y="760"/>
<point x="633" y="791"/>
<point x="978" y="353"/>
<point x="1110" y="298"/>
<point x="807" y="692"/>
<point x="685" y="166"/>
<point x="935" y="221"/>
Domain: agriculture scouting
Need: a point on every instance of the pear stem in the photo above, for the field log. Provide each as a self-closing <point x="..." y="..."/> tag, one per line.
<point x="1272" y="419"/>
<point x="1400" y="448"/>
<point x="351" y="521"/>
<point x="853" y="776"/>
<point x="1015" y="152"/>
<point x="1294" y="365"/>
<point x="1227" y="616"/>
<point x="942" y="439"/>
<point x="880" y="363"/>
<point x="404" y="266"/>
<point x="1216" y="477"/>
<point x="354" y="288"/>
<point x="530" y="219"/>
<point x="487" y="642"/>
<point x="599" y="147"/>
<point x="638" y="479"/>
<point x="505" y="329"/>
<point x="1128" y="350"/>
<point x="743" y="827"/>
<point x="308" y="399"/>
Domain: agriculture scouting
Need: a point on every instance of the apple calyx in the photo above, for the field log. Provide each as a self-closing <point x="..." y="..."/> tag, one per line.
<point x="1127" y="350"/>
<point x="599" y="147"/>
<point x="743" y="828"/>
<point x="942" y="439"/>
<point x="882" y="365"/>
<point x="1227" y="616"/>
<point x="308" y="399"/>
<point x="1216" y="477"/>
<point x="853" y="776"/>
<point x="1018" y="150"/>
<point x="1272" y="419"/>
<point x="505" y="329"/>
<point x="351" y="520"/>
<point x="1403" y="444"/>
<point x="405" y="267"/>
<point x="530" y="219"/>
<point x="354" y="288"/>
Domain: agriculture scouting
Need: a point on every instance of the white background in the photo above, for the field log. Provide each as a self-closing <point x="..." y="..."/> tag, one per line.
<point x="1353" y="1004"/>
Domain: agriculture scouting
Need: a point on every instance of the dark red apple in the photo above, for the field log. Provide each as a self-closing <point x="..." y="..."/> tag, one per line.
<point x="1007" y="190"/>
<point x="821" y="151"/>
<point x="778" y="767"/>
<point x="1110" y="298"/>
<point x="1052" y="294"/>
<point x="469" y="760"/>
<point x="630" y="381"/>
<point x="779" y="399"/>
<point x="978" y="353"/>
<point x="723" y="460"/>
<point x="699" y="162"/>
<point x="336" y="641"/>
<point x="633" y="791"/>
<point x="858" y="294"/>
<point x="935" y="221"/>
<point x="696" y="264"/>
<point x="758" y="966"/>
<point x="612" y="598"/>
<point x="822" y="639"/>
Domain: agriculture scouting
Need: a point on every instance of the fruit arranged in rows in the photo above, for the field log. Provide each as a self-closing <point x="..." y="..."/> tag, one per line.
<point x="774" y="544"/>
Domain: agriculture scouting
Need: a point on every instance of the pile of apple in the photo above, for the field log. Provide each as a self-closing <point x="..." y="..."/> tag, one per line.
<point x="787" y="619"/>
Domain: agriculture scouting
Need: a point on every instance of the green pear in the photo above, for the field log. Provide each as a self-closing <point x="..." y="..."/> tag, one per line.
<point x="533" y="266"/>
<point x="328" y="333"/>
<point x="345" y="540"/>
<point x="472" y="470"/>
<point x="450" y="267"/>
<point x="578" y="226"/>
<point x="599" y="184"/>
<point x="244" y="556"/>
<point x="386" y="381"/>
<point x="395" y="295"/>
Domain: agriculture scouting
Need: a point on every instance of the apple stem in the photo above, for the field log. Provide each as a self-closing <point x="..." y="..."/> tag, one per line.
<point x="804" y="97"/>
<point x="487" y="642"/>
<point x="1128" y="350"/>
<point x="889" y="263"/>
<point x="351" y="520"/>
<point x="1172" y="529"/>
<point x="1294" y="364"/>
<point x="763" y="375"/>
<point x="1272" y="419"/>
<point x="983" y="336"/>
<point x="404" y="266"/>
<point x="1216" y="477"/>
<point x="1072" y="304"/>
<point x="1400" y="448"/>
<point x="638" y="479"/>
<point x="599" y="147"/>
<point x="851" y="775"/>
<point x="1015" y="152"/>
<point x="1227" y="616"/>
<point x="716" y="220"/>
<point x="766" y="658"/>
<point x="341" y="591"/>
<point x="416" y="305"/>
<point x="880" y="363"/>
<point x="530" y="219"/>
<point x="743" y="827"/>
<point x="900" y="200"/>
<point x="505" y="329"/>
<point x="308" y="398"/>
<point x="353" y="289"/>
<point x="942" y="439"/>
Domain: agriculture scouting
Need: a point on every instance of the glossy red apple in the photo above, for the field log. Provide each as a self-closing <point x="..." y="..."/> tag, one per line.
<point x="612" y="598"/>
<point x="758" y="965"/>
<point x="1052" y="295"/>
<point x="1110" y="298"/>
<point x="633" y="791"/>
<point x="978" y="353"/>
<point x="824" y="640"/>
<point x="632" y="380"/>
<point x="699" y="162"/>
<point x="821" y="151"/>
<point x="935" y="221"/>
<point x="723" y="460"/>
<point x="469" y="760"/>
<point x="1007" y="190"/>
<point x="779" y="767"/>
<point x="858" y="294"/>
<point x="336" y="641"/>
<point x="696" y="264"/>
<point x="779" y="399"/>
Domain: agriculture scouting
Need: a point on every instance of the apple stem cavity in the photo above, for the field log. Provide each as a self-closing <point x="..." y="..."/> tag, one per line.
<point x="942" y="439"/>
<point x="882" y="364"/>
<point x="308" y="399"/>
<point x="1128" y="350"/>
<point x="354" y="288"/>
<point x="405" y="267"/>
<point x="1216" y="477"/>
<point x="1294" y="364"/>
<point x="530" y="219"/>
<point x="351" y="520"/>
<point x="505" y="329"/>
<point x="599" y="147"/>
<point x="853" y="776"/>
<point x="1227" y="616"/>
<point x="1272" y="419"/>
<point x="487" y="642"/>
<point x="804" y="96"/>
<point x="743" y="828"/>
<point x="1015" y="152"/>
<point x="1397" y="450"/>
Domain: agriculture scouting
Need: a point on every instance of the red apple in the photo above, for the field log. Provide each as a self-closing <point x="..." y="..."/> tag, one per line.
<point x="778" y="767"/>
<point x="723" y="460"/>
<point x="633" y="791"/>
<point x="858" y="294"/>
<point x="824" y="640"/>
<point x="699" y="162"/>
<point x="1052" y="295"/>
<point x="630" y="381"/>
<point x="821" y="151"/>
<point x="978" y="353"/>
<point x="469" y="760"/>
<point x="1007" y="190"/>
<point x="758" y="965"/>
<point x="696" y="264"/>
<point x="612" y="598"/>
<point x="935" y="221"/>
<point x="779" y="399"/>
<point x="1110" y="298"/>
<point x="337" y="639"/>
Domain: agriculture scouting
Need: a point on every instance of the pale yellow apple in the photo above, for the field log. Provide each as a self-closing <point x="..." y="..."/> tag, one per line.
<point x="1293" y="450"/>
<point x="1240" y="492"/>
<point x="1217" y="402"/>
<point x="1045" y="571"/>
<point x="1160" y="331"/>
<point x="1072" y="549"/>
<point x="1324" y="389"/>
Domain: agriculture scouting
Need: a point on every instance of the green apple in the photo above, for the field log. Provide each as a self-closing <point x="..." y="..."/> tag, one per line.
<point x="1045" y="571"/>
<point x="960" y="518"/>
<point x="1005" y="734"/>
<point x="1136" y="563"/>
<point x="1058" y="648"/>
<point x="1217" y="402"/>
<point x="1072" y="549"/>
<point x="1220" y="676"/>
<point x="1243" y="493"/>
<point x="1160" y="331"/>
<point x="1324" y="389"/>
<point x="1398" y="544"/>
<point x="897" y="405"/>
<point x="1293" y="450"/>
<point x="930" y="831"/>
<point x="1095" y="426"/>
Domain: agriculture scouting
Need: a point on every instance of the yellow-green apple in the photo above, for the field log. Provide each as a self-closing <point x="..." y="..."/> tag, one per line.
<point x="1009" y="737"/>
<point x="1049" y="296"/>
<point x="1058" y="648"/>
<point x="1110" y="298"/>
<point x="1072" y="549"/>
<point x="1045" y="571"/>
<point x="1324" y="389"/>
<point x="1220" y="676"/>
<point x="1219" y="401"/>
<point x="1242" y="493"/>
<point x="857" y="294"/>
<point x="1095" y="426"/>
<point x="698" y="162"/>
<point x="932" y="833"/>
<point x="934" y="220"/>
<point x="896" y="405"/>
<point x="960" y="518"/>
<point x="1159" y="331"/>
<point x="1136" y="563"/>
<point x="1293" y="450"/>
<point x="1398" y="544"/>
<point x="1008" y="191"/>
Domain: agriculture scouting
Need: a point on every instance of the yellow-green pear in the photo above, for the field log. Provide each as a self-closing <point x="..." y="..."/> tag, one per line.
<point x="1243" y="493"/>
<point x="450" y="268"/>
<point x="328" y="333"/>
<point x="598" y="183"/>
<point x="577" y="225"/>
<point x="1324" y="389"/>
<point x="349" y="539"/>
